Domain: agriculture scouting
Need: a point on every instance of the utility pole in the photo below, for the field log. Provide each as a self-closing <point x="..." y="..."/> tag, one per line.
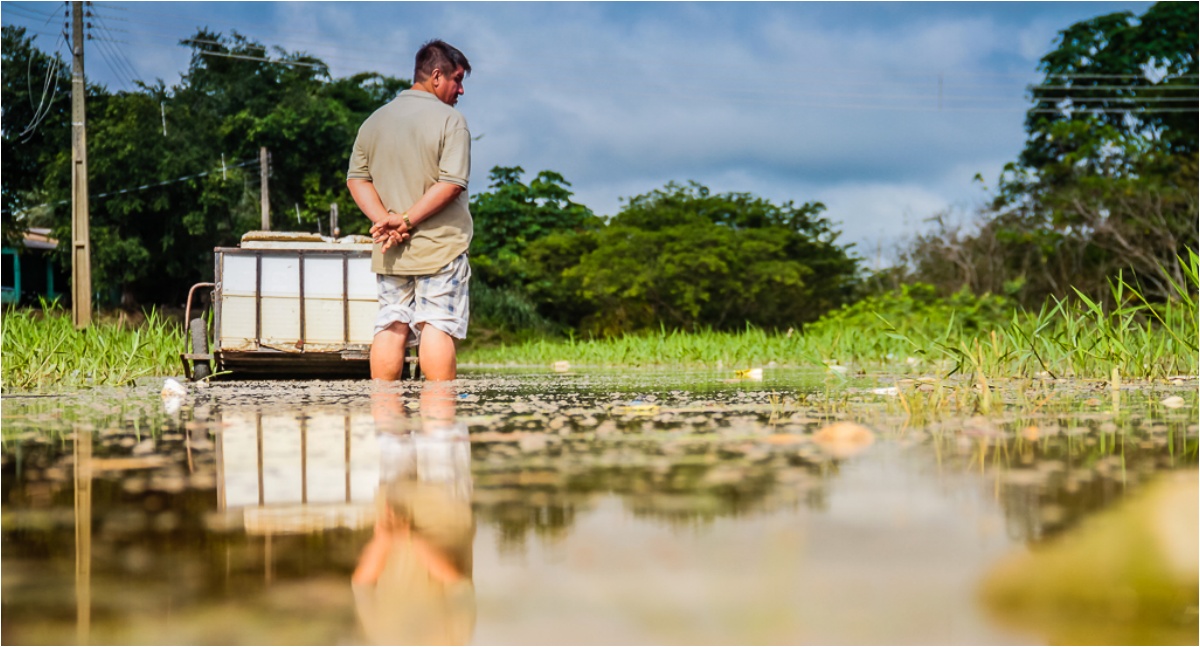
<point x="263" y="171"/>
<point x="81" y="256"/>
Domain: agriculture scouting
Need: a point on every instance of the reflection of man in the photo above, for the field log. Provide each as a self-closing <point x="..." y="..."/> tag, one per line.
<point x="413" y="581"/>
<point x="408" y="173"/>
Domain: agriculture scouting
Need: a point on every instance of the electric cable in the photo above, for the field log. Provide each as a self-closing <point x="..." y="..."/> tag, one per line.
<point x="107" y="194"/>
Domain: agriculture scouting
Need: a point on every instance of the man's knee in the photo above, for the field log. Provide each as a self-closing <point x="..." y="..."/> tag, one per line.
<point x="394" y="328"/>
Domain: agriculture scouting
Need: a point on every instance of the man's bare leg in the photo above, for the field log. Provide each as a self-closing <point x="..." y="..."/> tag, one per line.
<point x="387" y="352"/>
<point x="437" y="354"/>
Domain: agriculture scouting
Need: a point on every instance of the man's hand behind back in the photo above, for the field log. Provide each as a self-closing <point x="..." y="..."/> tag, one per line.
<point x="390" y="231"/>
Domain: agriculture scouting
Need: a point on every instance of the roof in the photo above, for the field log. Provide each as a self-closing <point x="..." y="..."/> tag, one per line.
<point x="39" y="238"/>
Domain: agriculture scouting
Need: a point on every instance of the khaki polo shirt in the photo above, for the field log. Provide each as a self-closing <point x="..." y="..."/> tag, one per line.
<point x="404" y="148"/>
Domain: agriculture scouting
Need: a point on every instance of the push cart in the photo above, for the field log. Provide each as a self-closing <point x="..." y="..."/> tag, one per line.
<point x="286" y="304"/>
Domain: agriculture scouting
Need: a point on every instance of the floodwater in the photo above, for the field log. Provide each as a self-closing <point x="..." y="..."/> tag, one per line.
<point x="602" y="508"/>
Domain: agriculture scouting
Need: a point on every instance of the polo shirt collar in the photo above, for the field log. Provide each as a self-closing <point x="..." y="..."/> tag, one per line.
<point x="418" y="94"/>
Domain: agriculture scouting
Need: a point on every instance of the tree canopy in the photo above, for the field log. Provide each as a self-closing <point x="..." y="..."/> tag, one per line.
<point x="1107" y="181"/>
<point x="684" y="258"/>
<point x="164" y="196"/>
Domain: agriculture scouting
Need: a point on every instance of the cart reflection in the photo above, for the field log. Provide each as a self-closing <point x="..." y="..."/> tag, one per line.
<point x="402" y="468"/>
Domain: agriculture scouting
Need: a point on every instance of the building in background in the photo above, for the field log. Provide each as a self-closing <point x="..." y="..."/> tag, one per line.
<point x="30" y="270"/>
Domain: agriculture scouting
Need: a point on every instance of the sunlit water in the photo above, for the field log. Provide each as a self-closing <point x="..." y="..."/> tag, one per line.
<point x="594" y="508"/>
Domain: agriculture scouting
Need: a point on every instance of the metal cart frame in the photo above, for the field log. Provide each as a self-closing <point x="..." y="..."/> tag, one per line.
<point x="259" y="357"/>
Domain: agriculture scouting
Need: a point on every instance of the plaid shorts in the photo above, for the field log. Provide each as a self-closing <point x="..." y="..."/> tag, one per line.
<point x="441" y="300"/>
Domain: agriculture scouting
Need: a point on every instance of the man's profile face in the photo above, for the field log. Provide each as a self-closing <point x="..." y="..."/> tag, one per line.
<point x="448" y="88"/>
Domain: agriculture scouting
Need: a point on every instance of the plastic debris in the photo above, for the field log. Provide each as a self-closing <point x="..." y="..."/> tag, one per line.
<point x="173" y="394"/>
<point x="171" y="388"/>
<point x="1174" y="402"/>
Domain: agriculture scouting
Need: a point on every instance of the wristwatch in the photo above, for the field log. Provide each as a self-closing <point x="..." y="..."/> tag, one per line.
<point x="404" y="217"/>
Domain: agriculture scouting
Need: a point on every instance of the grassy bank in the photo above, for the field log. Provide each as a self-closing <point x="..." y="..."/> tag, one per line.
<point x="42" y="349"/>
<point x="1072" y="337"/>
<point x="892" y="333"/>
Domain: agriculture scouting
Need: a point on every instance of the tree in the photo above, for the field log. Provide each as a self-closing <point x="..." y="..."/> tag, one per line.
<point x="683" y="258"/>
<point x="1107" y="181"/>
<point x="305" y="118"/>
<point x="35" y="122"/>
<point x="511" y="215"/>
<point x="162" y="200"/>
<point x="1134" y="75"/>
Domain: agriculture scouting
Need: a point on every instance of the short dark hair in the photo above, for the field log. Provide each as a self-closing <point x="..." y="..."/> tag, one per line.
<point x="438" y="54"/>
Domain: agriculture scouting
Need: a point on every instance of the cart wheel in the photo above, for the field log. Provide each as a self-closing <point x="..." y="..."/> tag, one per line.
<point x="410" y="370"/>
<point x="199" y="332"/>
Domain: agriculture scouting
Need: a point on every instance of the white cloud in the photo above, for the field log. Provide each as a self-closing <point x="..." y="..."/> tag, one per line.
<point x="791" y="101"/>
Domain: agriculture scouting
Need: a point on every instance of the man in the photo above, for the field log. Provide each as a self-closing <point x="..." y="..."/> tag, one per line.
<point x="408" y="174"/>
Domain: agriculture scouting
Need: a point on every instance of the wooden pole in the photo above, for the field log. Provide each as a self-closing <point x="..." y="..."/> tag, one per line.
<point x="83" y="534"/>
<point x="81" y="256"/>
<point x="263" y="171"/>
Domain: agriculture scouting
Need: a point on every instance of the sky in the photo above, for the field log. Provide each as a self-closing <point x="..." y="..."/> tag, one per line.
<point x="884" y="112"/>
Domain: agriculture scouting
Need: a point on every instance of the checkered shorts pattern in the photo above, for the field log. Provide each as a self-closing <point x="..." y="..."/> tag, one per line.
<point x="441" y="300"/>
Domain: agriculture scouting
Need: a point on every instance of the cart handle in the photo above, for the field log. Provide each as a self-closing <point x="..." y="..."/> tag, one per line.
<point x="187" y="311"/>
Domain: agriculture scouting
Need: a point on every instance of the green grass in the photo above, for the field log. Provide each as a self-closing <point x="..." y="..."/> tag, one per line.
<point x="1072" y="337"/>
<point x="42" y="349"/>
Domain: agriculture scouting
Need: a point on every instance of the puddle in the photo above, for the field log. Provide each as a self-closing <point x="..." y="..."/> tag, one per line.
<point x="598" y="507"/>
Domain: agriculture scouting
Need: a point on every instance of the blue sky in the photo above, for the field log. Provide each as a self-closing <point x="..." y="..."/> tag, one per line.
<point x="883" y="111"/>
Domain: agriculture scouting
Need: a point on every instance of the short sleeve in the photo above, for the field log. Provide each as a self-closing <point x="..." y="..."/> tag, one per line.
<point x="359" y="160"/>
<point x="454" y="166"/>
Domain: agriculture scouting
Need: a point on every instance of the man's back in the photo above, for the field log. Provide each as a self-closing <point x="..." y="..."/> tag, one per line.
<point x="404" y="148"/>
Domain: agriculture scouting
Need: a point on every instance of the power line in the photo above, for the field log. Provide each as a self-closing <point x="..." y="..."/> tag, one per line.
<point x="48" y="85"/>
<point x="338" y="58"/>
<point x="1074" y="99"/>
<point x="289" y="37"/>
<point x="249" y="162"/>
<point x="374" y="58"/>
<point x="902" y="79"/>
<point x="105" y="51"/>
<point x="26" y="12"/>
<point x="176" y="17"/>
<point x="118" y="53"/>
<point x="315" y="66"/>
<point x="204" y="41"/>
<point x="375" y="55"/>
<point x="1096" y="111"/>
<point x="1156" y="86"/>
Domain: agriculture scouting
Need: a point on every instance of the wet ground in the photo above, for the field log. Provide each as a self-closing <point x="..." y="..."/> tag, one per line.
<point x="602" y="508"/>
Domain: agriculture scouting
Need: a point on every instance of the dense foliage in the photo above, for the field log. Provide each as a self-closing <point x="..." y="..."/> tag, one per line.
<point x="511" y="214"/>
<point x="916" y="308"/>
<point x="164" y="195"/>
<point x="508" y="217"/>
<point x="684" y="258"/>
<point x="1107" y="182"/>
<point x="35" y="122"/>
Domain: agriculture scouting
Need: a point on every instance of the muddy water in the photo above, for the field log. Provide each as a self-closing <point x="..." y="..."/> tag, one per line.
<point x="544" y="508"/>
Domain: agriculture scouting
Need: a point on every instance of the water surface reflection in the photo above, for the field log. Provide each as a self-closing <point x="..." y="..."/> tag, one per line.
<point x="610" y="508"/>
<point x="413" y="582"/>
